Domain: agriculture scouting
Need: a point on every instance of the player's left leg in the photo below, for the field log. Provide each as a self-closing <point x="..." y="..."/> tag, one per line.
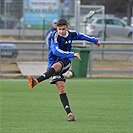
<point x="63" y="97"/>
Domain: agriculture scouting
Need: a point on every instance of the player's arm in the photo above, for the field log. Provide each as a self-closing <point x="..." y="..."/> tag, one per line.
<point x="77" y="55"/>
<point x="48" y="37"/>
<point x="80" y="36"/>
<point x="98" y="44"/>
<point x="63" y="54"/>
<point x="60" y="53"/>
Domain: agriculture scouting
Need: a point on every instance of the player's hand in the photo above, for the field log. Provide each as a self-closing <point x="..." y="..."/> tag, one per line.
<point x="77" y="55"/>
<point x="98" y="44"/>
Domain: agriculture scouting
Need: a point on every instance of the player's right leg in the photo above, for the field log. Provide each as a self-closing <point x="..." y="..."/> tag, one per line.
<point x="46" y="75"/>
<point x="54" y="69"/>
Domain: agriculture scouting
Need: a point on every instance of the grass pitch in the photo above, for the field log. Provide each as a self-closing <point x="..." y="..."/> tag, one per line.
<point x="99" y="105"/>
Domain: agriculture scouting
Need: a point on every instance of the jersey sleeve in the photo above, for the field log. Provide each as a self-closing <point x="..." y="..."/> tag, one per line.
<point x="81" y="36"/>
<point x="48" y="37"/>
<point x="60" y="53"/>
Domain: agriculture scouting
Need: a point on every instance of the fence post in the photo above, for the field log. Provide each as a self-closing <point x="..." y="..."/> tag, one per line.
<point x="43" y="29"/>
<point x="43" y="38"/>
<point x="90" y="61"/>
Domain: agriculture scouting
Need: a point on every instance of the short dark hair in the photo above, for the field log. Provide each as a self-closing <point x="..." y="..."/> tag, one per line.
<point x="62" y="22"/>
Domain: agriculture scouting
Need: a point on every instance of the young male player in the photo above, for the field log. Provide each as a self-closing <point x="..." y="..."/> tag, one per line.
<point x="60" y="56"/>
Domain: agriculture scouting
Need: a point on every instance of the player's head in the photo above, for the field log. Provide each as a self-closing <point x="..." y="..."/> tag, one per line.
<point x="62" y="27"/>
<point x="62" y="22"/>
<point x="54" y="23"/>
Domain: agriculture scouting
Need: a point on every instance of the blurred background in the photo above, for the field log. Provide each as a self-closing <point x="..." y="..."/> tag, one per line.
<point x="23" y="24"/>
<point x="23" y="15"/>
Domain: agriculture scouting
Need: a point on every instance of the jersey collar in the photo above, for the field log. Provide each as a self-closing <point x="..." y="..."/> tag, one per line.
<point x="66" y="34"/>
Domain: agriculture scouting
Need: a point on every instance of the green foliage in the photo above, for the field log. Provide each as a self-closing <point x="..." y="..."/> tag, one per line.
<point x="100" y="106"/>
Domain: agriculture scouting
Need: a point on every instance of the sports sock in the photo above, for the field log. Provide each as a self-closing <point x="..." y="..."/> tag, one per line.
<point x="46" y="75"/>
<point x="64" y="100"/>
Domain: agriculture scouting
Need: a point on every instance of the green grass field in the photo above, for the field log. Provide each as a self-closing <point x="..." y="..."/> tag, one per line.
<point x="99" y="105"/>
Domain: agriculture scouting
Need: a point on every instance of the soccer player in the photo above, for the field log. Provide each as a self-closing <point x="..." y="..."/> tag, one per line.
<point x="60" y="56"/>
<point x="50" y="31"/>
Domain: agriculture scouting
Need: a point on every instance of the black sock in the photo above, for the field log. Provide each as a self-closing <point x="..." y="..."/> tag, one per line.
<point x="46" y="75"/>
<point x="64" y="100"/>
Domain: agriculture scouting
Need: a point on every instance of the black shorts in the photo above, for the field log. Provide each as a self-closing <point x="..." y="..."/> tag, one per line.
<point x="65" y="66"/>
<point x="58" y="76"/>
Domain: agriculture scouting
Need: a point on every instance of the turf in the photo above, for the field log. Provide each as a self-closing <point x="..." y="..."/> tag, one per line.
<point x="100" y="106"/>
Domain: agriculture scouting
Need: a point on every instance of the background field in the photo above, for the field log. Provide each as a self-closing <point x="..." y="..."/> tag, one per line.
<point x="100" y="106"/>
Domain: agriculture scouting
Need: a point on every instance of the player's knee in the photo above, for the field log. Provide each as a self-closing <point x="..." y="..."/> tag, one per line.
<point x="61" y="89"/>
<point x="57" y="67"/>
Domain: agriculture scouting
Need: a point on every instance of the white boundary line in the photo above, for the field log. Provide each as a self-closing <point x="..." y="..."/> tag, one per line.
<point x="75" y="80"/>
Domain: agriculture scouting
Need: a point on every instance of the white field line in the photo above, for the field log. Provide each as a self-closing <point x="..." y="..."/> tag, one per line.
<point x="74" y="80"/>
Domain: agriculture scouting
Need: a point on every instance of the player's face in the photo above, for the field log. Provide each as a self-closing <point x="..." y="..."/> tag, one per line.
<point x="55" y="25"/>
<point x="62" y="30"/>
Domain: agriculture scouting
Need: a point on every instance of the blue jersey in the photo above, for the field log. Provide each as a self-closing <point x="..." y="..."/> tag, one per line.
<point x="49" y="35"/>
<point x="61" y="47"/>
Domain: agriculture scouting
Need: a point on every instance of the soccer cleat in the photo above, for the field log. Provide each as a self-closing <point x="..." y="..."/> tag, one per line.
<point x="71" y="117"/>
<point x="32" y="82"/>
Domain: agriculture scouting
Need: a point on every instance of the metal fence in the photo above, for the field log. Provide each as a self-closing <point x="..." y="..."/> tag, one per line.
<point x="126" y="51"/>
<point x="37" y="50"/>
<point x="32" y="18"/>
